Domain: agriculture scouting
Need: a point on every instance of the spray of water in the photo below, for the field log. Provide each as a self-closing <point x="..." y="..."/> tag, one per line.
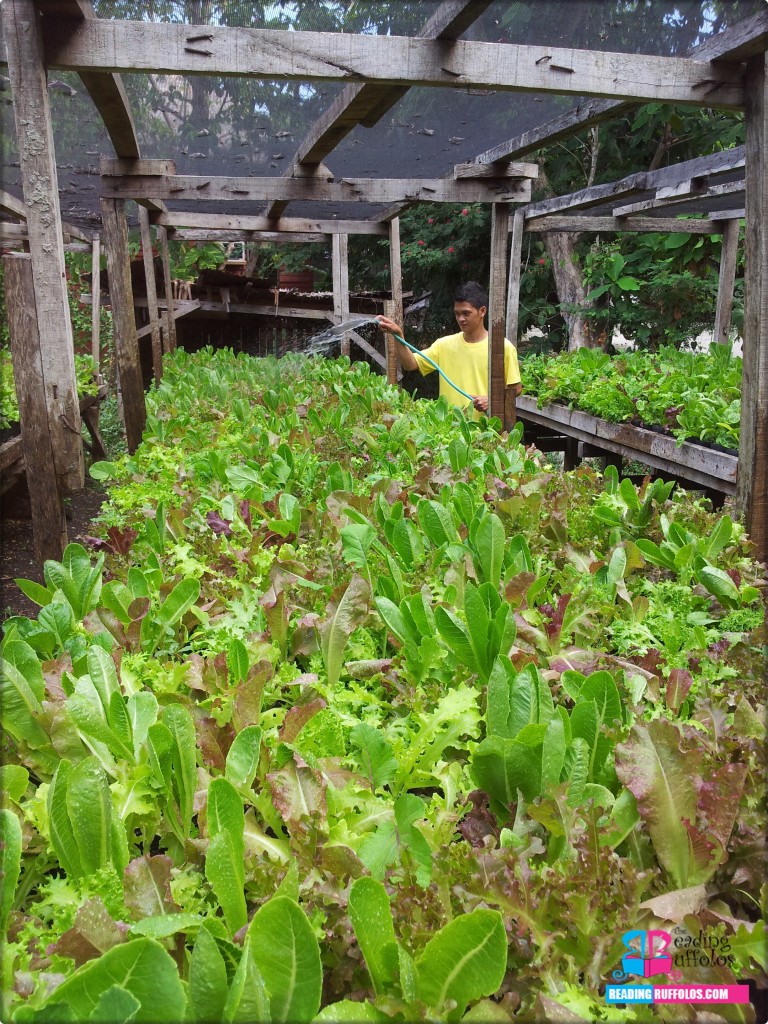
<point x="320" y="343"/>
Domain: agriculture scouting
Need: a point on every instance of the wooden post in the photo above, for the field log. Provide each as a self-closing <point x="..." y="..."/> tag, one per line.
<point x="515" y="266"/>
<point x="170" y="337"/>
<point x="149" y="275"/>
<point x="49" y="526"/>
<point x="395" y="307"/>
<point x="752" y="481"/>
<point x="96" y="301"/>
<point x="726" y="282"/>
<point x="115" y="232"/>
<point x="341" y="285"/>
<point x="497" y="312"/>
<point x="23" y="39"/>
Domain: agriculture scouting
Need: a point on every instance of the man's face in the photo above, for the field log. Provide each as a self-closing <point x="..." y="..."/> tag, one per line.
<point x="469" y="317"/>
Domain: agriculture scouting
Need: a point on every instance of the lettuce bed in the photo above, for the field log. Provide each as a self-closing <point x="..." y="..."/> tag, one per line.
<point x="693" y="396"/>
<point x="354" y="712"/>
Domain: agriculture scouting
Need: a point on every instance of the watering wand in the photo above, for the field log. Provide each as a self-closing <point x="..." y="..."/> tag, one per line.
<point x="443" y="375"/>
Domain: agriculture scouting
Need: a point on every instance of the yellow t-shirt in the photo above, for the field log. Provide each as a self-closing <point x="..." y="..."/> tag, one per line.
<point x="466" y="363"/>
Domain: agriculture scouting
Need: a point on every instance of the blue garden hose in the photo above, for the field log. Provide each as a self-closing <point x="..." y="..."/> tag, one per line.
<point x="447" y="379"/>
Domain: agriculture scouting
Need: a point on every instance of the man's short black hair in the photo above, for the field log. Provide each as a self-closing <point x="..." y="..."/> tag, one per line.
<point x="473" y="293"/>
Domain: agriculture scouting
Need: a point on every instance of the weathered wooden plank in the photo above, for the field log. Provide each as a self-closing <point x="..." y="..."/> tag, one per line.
<point x="49" y="525"/>
<point x="170" y="318"/>
<point x="238" y="307"/>
<point x="137" y="166"/>
<point x="691" y="462"/>
<point x="368" y="349"/>
<point x="633" y="184"/>
<point x="96" y="304"/>
<point x="596" y="223"/>
<point x="752" y="496"/>
<point x="726" y="282"/>
<point x="371" y="190"/>
<point x="11" y="452"/>
<point x="179" y="310"/>
<point x="497" y="293"/>
<point x="117" y="46"/>
<point x="748" y="38"/>
<point x="394" y="308"/>
<point x="149" y="278"/>
<point x="504" y="169"/>
<point x="193" y="219"/>
<point x="209" y="235"/>
<point x="115" y="237"/>
<point x="340" y="254"/>
<point x="10" y="204"/>
<point x="582" y="116"/>
<point x="34" y="132"/>
<point x="515" y="268"/>
<point x="677" y="203"/>
<point x="368" y="102"/>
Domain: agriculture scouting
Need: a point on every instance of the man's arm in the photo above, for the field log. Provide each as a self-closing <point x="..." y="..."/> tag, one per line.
<point x="407" y="358"/>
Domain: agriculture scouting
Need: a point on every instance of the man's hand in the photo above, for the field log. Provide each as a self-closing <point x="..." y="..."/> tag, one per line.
<point x="390" y="326"/>
<point x="480" y="402"/>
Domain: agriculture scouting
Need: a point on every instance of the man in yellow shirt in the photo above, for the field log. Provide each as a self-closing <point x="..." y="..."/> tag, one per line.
<point x="463" y="357"/>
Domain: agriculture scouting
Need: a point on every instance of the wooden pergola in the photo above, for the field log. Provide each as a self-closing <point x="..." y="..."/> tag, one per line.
<point x="727" y="72"/>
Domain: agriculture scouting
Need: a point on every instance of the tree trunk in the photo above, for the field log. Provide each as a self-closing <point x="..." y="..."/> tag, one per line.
<point x="561" y="247"/>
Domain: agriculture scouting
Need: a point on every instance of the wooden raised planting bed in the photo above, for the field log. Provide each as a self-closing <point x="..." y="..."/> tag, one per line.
<point x="692" y="463"/>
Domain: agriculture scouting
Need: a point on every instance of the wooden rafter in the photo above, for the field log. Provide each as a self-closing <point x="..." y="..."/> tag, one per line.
<point x="118" y="46"/>
<point x="366" y="104"/>
<point x="372" y="190"/>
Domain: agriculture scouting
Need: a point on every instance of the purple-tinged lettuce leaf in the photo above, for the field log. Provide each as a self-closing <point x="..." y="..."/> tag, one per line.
<point x="297" y="717"/>
<point x="219" y="525"/>
<point x="298" y="791"/>
<point x="347" y="609"/>
<point x="148" y="887"/>
<point x="93" y="933"/>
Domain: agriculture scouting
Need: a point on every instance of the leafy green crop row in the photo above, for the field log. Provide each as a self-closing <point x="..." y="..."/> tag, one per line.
<point x="356" y="713"/>
<point x="694" y="396"/>
<point x="9" y="405"/>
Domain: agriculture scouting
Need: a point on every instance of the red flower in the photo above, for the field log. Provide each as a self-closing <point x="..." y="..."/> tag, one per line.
<point x="420" y="242"/>
<point x="429" y="221"/>
<point x="543" y="262"/>
<point x="464" y="212"/>
<point x="450" y="248"/>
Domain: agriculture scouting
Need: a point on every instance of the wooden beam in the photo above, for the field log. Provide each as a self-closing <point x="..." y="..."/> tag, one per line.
<point x="555" y="222"/>
<point x="115" y="237"/>
<point x="752" y="493"/>
<point x="106" y="90"/>
<point x="96" y="306"/>
<point x="209" y="235"/>
<point x="10" y="204"/>
<point x="503" y="169"/>
<point x="585" y="115"/>
<point x="497" y="312"/>
<point x="286" y="225"/>
<point x="49" y="525"/>
<point x="747" y="38"/>
<point x="34" y="132"/>
<point x="170" y="317"/>
<point x="368" y="349"/>
<point x="367" y="102"/>
<point x="728" y="188"/>
<point x="371" y="190"/>
<point x="726" y="282"/>
<point x="256" y="309"/>
<point x="341" y="286"/>
<point x="515" y="268"/>
<point x="394" y="307"/>
<point x="166" y="48"/>
<point x="149" y="278"/>
<point x="595" y="195"/>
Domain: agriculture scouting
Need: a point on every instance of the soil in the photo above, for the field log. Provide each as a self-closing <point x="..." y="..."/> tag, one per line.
<point x="17" y="549"/>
